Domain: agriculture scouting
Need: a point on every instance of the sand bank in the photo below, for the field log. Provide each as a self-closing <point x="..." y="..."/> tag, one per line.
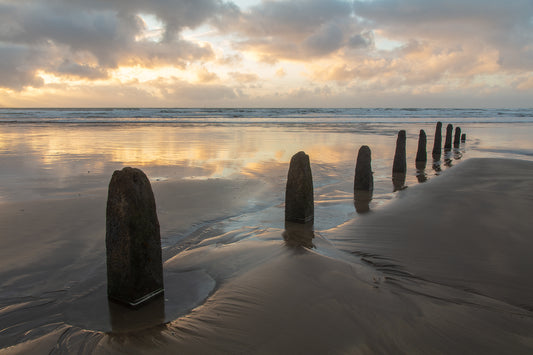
<point x="469" y="229"/>
<point x="442" y="269"/>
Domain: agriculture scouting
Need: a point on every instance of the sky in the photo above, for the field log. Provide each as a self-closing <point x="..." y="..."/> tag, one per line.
<point x="266" y="53"/>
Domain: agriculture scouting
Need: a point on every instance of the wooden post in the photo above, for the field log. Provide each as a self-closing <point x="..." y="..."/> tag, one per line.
<point x="448" y="142"/>
<point x="437" y="143"/>
<point x="133" y="241"/>
<point x="364" y="179"/>
<point x="299" y="202"/>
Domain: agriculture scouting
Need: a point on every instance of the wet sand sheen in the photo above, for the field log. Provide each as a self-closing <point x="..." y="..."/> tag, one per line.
<point x="444" y="268"/>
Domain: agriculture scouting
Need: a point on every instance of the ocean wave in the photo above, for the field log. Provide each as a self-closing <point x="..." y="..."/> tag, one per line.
<point x="263" y="115"/>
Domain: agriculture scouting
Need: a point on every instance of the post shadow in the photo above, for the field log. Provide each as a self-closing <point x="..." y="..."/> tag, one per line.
<point x="437" y="143"/>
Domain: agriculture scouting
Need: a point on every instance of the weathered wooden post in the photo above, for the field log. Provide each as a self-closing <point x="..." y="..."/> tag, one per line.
<point x="437" y="143"/>
<point x="133" y="241"/>
<point x="421" y="154"/>
<point x="448" y="142"/>
<point x="299" y="201"/>
<point x="364" y="179"/>
<point x="299" y="234"/>
<point x="457" y="137"/>
<point x="463" y="137"/>
<point x="399" y="164"/>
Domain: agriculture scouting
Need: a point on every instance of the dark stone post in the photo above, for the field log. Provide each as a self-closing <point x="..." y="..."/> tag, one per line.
<point x="457" y="138"/>
<point x="448" y="142"/>
<point x="133" y="241"/>
<point x="400" y="164"/>
<point x="437" y="143"/>
<point x="463" y="137"/>
<point x="363" y="170"/>
<point x="299" y="202"/>
<point x="421" y="154"/>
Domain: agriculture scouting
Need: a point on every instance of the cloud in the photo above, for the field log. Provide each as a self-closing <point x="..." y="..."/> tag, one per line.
<point x="17" y="69"/>
<point x="336" y="48"/>
<point x="87" y="38"/>
<point x="500" y="25"/>
<point x="244" y="77"/>
<point x="297" y="30"/>
<point x="205" y="76"/>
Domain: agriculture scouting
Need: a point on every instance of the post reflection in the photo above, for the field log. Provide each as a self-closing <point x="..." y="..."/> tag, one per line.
<point x="421" y="175"/>
<point x="448" y="161"/>
<point x="298" y="235"/>
<point x="436" y="166"/>
<point x="457" y="154"/>
<point x="126" y="319"/>
<point x="361" y="201"/>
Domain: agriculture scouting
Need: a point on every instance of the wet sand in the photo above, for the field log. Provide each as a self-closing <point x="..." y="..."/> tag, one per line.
<point x="444" y="268"/>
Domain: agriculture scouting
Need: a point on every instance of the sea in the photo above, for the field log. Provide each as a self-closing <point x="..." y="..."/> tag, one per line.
<point x="324" y="116"/>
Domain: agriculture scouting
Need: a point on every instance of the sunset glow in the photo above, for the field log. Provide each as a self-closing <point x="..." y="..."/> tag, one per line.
<point x="214" y="53"/>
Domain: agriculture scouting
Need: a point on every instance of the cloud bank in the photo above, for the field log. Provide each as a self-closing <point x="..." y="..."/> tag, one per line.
<point x="273" y="51"/>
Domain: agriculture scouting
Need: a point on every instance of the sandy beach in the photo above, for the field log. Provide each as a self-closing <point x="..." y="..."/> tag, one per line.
<point x="439" y="266"/>
<point x="442" y="268"/>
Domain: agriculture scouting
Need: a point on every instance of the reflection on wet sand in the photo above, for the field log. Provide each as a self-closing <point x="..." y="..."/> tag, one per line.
<point x="436" y="166"/>
<point x="125" y="319"/>
<point x="448" y="155"/>
<point x="299" y="234"/>
<point x="421" y="175"/>
<point x="457" y="154"/>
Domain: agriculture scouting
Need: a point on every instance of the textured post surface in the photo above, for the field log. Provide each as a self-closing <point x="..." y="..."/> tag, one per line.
<point x="449" y="132"/>
<point x="363" y="170"/>
<point x="463" y="137"/>
<point x="421" y="154"/>
<point x="299" y="234"/>
<point x="133" y="242"/>
<point x="457" y="137"/>
<point x="400" y="164"/>
<point x="437" y="143"/>
<point x="299" y="202"/>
